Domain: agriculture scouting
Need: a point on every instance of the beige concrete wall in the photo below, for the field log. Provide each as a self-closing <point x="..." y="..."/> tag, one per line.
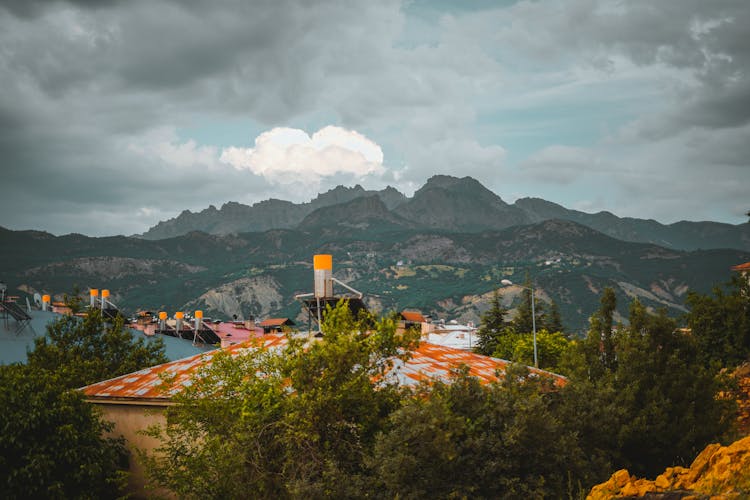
<point x="129" y="420"/>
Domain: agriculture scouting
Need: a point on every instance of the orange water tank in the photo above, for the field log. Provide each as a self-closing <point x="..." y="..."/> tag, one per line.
<point x="323" y="271"/>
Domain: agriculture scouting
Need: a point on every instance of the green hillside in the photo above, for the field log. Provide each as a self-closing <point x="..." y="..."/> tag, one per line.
<point x="445" y="274"/>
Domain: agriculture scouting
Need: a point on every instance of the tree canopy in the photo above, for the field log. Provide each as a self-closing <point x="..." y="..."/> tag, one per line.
<point x="491" y="327"/>
<point x="720" y="323"/>
<point x="87" y="350"/>
<point x="53" y="444"/>
<point x="463" y="440"/>
<point x="302" y="428"/>
<point x="512" y="341"/>
<point x="658" y="405"/>
<point x="323" y="419"/>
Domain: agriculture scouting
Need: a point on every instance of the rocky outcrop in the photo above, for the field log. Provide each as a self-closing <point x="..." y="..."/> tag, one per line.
<point x="452" y="204"/>
<point x="258" y="295"/>
<point x="114" y="267"/>
<point x="235" y="217"/>
<point x="718" y="472"/>
<point x="742" y="376"/>
<point x="365" y="213"/>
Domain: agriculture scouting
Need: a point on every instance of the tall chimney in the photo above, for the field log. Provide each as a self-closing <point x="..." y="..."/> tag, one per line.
<point x="105" y="294"/>
<point x="45" y="302"/>
<point x="93" y="294"/>
<point x="323" y="267"/>
<point x="162" y="321"/>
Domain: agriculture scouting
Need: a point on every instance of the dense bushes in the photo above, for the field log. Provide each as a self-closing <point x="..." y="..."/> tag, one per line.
<point x="52" y="443"/>
<point x="325" y="419"/>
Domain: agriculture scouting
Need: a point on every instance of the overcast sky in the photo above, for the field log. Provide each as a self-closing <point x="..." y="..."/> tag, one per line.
<point x="116" y="115"/>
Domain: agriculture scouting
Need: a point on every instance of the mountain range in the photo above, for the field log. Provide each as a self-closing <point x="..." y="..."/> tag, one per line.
<point x="444" y="203"/>
<point x="443" y="251"/>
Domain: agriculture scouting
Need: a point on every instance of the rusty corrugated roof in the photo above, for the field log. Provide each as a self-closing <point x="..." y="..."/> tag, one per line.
<point x="276" y="322"/>
<point x="742" y="267"/>
<point x="428" y="361"/>
<point x="413" y="316"/>
<point x="147" y="384"/>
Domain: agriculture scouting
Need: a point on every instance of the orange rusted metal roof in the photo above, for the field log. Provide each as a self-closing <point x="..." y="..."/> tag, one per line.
<point x="276" y="322"/>
<point x="413" y="316"/>
<point x="147" y="384"/>
<point x="428" y="361"/>
<point x="742" y="267"/>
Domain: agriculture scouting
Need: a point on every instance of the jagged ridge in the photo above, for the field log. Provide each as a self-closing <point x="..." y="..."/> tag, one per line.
<point x="451" y="204"/>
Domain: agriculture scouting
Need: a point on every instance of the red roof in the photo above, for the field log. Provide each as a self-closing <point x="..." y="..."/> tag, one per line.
<point x="427" y="361"/>
<point x="413" y="316"/>
<point x="275" y="322"/>
<point x="742" y="267"/>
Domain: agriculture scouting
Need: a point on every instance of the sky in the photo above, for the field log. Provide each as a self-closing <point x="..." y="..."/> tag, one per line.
<point x="115" y="115"/>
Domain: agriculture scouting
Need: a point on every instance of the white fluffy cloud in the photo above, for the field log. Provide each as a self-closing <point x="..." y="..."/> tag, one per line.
<point x="291" y="156"/>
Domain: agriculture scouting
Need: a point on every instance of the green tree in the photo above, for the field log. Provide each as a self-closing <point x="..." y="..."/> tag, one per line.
<point x="720" y="323"/>
<point x="87" y="350"/>
<point x="657" y="406"/>
<point x="74" y="301"/>
<point x="463" y="440"/>
<point x="604" y="323"/>
<point x="552" y="320"/>
<point x="551" y="348"/>
<point x="52" y="444"/>
<point x="492" y="326"/>
<point x="522" y="321"/>
<point x="303" y="428"/>
<point x="673" y="397"/>
<point x="598" y="348"/>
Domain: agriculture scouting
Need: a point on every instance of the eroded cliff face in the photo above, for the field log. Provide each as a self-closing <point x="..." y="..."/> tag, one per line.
<point x="718" y="472"/>
<point x="257" y="295"/>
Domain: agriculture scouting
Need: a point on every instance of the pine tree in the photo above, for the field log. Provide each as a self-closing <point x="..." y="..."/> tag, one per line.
<point x="522" y="321"/>
<point x="606" y="323"/>
<point x="491" y="327"/>
<point x="552" y="319"/>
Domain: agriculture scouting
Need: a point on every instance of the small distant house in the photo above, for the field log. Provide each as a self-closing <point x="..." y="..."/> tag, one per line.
<point x="61" y="308"/>
<point x="454" y="335"/>
<point x="414" y="319"/>
<point x="743" y="269"/>
<point x="276" y="325"/>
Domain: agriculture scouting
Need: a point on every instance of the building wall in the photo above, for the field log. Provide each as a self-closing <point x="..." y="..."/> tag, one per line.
<point x="128" y="420"/>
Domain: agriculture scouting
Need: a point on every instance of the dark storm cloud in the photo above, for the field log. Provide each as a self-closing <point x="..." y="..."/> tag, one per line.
<point x="226" y="55"/>
<point x="707" y="40"/>
<point x="32" y="8"/>
<point x="94" y="92"/>
<point x="88" y="85"/>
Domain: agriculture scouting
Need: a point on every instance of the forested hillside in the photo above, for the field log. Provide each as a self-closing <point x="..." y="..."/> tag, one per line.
<point x="443" y="273"/>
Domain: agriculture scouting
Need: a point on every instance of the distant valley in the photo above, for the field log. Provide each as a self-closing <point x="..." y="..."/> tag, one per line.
<point x="443" y="251"/>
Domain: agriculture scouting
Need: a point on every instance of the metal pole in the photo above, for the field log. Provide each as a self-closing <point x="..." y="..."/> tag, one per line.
<point x="533" y="325"/>
<point x="319" y="318"/>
